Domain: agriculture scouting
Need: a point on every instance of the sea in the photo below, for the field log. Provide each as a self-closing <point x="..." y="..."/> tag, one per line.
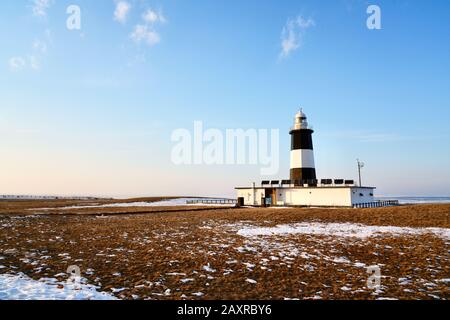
<point x="417" y="200"/>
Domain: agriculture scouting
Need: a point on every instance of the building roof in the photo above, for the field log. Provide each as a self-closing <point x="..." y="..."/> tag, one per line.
<point x="300" y="187"/>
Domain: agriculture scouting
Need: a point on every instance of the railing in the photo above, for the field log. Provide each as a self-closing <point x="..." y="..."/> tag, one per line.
<point x="377" y="204"/>
<point x="212" y="201"/>
<point x="311" y="183"/>
<point x="308" y="127"/>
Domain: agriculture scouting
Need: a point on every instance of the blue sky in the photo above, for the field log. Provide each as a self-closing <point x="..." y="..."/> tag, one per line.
<point x="91" y="111"/>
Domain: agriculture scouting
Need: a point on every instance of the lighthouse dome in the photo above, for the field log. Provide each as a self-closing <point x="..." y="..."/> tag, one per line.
<point x="301" y="114"/>
<point x="300" y="120"/>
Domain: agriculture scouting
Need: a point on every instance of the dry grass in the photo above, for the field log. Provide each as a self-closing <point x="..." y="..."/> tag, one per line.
<point x="148" y="254"/>
<point x="22" y="207"/>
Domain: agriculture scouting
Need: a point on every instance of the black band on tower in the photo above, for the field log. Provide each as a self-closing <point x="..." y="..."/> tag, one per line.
<point x="302" y="176"/>
<point x="302" y="139"/>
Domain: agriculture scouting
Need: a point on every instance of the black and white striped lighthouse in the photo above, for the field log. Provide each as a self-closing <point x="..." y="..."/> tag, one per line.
<point x="303" y="169"/>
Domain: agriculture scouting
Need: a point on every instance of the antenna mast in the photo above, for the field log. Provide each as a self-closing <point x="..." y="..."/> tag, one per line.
<point x="360" y="166"/>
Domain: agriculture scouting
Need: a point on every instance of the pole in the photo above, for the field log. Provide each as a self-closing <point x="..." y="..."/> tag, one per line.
<point x="359" y="173"/>
<point x="360" y="165"/>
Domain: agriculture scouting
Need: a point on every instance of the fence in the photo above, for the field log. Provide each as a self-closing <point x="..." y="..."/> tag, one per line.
<point x="212" y="201"/>
<point x="377" y="204"/>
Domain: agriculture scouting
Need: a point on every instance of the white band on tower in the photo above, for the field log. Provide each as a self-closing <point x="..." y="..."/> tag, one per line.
<point x="302" y="158"/>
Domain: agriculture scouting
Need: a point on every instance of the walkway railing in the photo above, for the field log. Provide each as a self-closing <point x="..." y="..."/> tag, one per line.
<point x="212" y="201"/>
<point x="377" y="204"/>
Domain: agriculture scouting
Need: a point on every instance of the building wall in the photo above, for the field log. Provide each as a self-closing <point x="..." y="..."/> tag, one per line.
<point x="252" y="197"/>
<point x="327" y="197"/>
<point x="366" y="195"/>
<point x="339" y="197"/>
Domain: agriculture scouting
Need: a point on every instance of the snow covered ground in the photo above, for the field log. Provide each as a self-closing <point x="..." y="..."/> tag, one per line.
<point x="21" y="287"/>
<point x="219" y="255"/>
<point x="340" y="230"/>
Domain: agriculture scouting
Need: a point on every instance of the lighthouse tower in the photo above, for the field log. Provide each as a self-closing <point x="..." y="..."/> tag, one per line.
<point x="302" y="154"/>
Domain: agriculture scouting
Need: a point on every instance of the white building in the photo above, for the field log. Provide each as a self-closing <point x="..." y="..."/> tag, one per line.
<point x="320" y="196"/>
<point x="303" y="189"/>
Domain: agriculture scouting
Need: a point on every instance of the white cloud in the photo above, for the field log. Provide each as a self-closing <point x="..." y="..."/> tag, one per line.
<point x="142" y="33"/>
<point x="305" y="23"/>
<point x="151" y="17"/>
<point x="292" y="34"/>
<point x="40" y="7"/>
<point x="17" y="63"/>
<point x="122" y="10"/>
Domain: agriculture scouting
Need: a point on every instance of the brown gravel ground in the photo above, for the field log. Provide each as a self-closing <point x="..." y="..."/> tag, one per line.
<point x="188" y="254"/>
<point x="21" y="207"/>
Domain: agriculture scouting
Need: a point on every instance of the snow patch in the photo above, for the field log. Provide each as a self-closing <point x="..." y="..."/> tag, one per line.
<point x="208" y="268"/>
<point x="198" y="294"/>
<point x="340" y="230"/>
<point x="21" y="287"/>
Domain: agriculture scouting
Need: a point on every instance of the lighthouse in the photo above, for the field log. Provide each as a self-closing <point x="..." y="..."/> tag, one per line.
<point x="303" y="170"/>
<point x="303" y="189"/>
